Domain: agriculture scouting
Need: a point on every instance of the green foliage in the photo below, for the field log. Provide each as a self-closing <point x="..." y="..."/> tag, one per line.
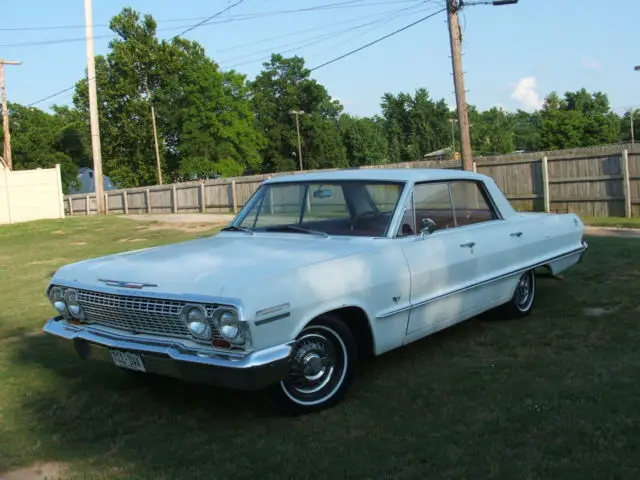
<point x="285" y="85"/>
<point x="42" y="140"/>
<point x="579" y="119"/>
<point x="492" y="132"/>
<point x="415" y="126"/>
<point x="211" y="122"/>
<point x="364" y="140"/>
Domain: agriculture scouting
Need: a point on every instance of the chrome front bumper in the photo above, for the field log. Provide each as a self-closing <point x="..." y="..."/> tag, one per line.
<point x="254" y="371"/>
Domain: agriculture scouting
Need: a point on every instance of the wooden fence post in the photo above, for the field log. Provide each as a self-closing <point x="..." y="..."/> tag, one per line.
<point x="106" y="203"/>
<point x="174" y="199"/>
<point x="203" y="201"/>
<point x="125" y="202"/>
<point x="475" y="167"/>
<point x="147" y="199"/>
<point x="70" y="206"/>
<point x="234" y="197"/>
<point x="87" y="209"/>
<point x="626" y="183"/>
<point x="545" y="184"/>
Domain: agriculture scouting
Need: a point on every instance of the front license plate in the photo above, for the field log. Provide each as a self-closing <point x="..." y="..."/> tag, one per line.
<point x="132" y="361"/>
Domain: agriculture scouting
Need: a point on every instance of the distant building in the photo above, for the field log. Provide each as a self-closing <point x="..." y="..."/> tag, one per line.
<point x="86" y="183"/>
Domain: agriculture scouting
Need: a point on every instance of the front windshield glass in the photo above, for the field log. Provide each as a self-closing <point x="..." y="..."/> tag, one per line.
<point x="357" y="208"/>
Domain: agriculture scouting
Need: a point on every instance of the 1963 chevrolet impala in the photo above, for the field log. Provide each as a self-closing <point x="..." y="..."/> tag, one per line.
<point x="316" y="271"/>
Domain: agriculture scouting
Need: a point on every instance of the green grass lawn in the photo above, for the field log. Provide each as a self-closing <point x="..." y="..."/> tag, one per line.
<point x="556" y="395"/>
<point x="612" y="222"/>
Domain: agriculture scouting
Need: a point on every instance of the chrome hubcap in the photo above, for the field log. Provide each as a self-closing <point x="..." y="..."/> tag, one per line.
<point x="313" y="364"/>
<point x="523" y="291"/>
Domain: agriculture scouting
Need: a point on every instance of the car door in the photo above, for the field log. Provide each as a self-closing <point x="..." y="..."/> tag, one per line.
<point x="497" y="242"/>
<point x="441" y="263"/>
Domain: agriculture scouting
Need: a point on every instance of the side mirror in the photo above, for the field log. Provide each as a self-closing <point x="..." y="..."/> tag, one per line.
<point x="427" y="227"/>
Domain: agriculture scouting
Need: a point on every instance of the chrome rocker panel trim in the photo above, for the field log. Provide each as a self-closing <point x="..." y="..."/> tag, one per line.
<point x="579" y="251"/>
<point x="252" y="371"/>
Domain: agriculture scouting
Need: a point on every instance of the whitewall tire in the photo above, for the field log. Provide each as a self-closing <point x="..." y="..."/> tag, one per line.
<point x="521" y="304"/>
<point x="322" y="367"/>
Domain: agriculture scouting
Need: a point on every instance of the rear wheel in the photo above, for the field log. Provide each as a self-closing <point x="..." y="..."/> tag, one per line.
<point x="521" y="304"/>
<point x="322" y="367"/>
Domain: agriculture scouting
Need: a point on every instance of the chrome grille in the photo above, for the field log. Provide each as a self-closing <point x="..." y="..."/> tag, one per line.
<point x="137" y="314"/>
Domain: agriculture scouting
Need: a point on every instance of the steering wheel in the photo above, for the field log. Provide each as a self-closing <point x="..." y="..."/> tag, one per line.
<point x="363" y="215"/>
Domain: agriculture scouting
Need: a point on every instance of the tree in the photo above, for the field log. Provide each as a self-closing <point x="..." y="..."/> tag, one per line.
<point x="285" y="85"/>
<point x="364" y="140"/>
<point x="414" y="126"/>
<point x="204" y="120"/>
<point x="579" y="119"/>
<point x="492" y="132"/>
<point x="40" y="140"/>
<point x="625" y="126"/>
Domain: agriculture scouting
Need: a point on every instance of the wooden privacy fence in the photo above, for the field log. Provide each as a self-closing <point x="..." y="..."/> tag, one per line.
<point x="599" y="181"/>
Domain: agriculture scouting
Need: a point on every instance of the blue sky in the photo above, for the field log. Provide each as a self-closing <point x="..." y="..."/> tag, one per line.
<point x="513" y="55"/>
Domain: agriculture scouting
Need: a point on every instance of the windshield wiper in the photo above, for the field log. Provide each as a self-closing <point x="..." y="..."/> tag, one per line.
<point x="291" y="228"/>
<point x="233" y="228"/>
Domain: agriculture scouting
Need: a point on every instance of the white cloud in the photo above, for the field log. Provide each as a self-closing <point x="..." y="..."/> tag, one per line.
<point x="525" y="92"/>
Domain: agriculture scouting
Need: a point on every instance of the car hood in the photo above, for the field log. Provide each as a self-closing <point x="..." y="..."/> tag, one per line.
<point x="217" y="266"/>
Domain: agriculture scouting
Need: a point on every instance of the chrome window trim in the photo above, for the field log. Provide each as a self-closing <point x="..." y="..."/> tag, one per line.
<point x="483" y="190"/>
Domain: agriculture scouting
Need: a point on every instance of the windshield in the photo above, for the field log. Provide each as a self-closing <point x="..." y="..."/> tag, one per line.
<point x="356" y="208"/>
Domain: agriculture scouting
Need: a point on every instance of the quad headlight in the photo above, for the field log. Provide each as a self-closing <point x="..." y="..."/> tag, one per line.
<point x="230" y="326"/>
<point x="71" y="299"/>
<point x="56" y="296"/>
<point x="195" y="317"/>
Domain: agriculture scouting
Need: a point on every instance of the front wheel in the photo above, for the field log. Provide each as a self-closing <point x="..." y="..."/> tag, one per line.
<point x="322" y="367"/>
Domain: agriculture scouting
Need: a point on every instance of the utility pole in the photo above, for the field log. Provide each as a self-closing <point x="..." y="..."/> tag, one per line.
<point x="297" y="113"/>
<point x="633" y="136"/>
<point x="455" y="37"/>
<point x="93" y="110"/>
<point x="155" y="133"/>
<point x="455" y="33"/>
<point x="5" y="113"/>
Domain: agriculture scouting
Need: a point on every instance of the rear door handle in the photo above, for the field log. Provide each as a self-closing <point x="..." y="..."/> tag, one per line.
<point x="468" y="245"/>
<point x="516" y="234"/>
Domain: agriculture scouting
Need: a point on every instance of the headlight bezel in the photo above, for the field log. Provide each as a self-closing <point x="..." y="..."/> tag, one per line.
<point x="206" y="335"/>
<point x="73" y="306"/>
<point x="57" y="299"/>
<point x="230" y="327"/>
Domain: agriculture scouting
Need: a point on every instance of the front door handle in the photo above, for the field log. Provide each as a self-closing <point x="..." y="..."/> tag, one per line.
<point x="468" y="245"/>
<point x="516" y="234"/>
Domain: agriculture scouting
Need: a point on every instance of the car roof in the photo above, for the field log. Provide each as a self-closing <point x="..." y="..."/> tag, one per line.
<point x="380" y="174"/>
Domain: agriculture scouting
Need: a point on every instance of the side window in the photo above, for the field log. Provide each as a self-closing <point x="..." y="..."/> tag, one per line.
<point x="470" y="204"/>
<point x="431" y="201"/>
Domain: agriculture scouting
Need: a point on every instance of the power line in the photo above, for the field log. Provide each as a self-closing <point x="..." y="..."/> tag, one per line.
<point x="207" y="21"/>
<point x="307" y="30"/>
<point x="331" y="6"/>
<point x="48" y="97"/>
<point x="73" y="86"/>
<point x="321" y="38"/>
<point x="208" y="18"/>
<point x="395" y="32"/>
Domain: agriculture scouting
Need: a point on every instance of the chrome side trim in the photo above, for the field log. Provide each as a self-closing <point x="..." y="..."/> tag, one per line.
<point x="272" y="319"/>
<point x="484" y="282"/>
<point x="274" y="309"/>
<point x="61" y="328"/>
